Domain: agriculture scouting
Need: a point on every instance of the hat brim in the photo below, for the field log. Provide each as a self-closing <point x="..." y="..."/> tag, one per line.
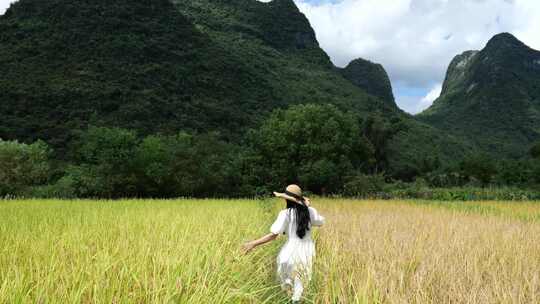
<point x="288" y="197"/>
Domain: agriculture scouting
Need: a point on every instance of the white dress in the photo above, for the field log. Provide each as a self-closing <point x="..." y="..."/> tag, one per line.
<point x="295" y="259"/>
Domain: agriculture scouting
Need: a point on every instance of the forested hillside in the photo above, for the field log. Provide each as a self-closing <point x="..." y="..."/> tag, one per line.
<point x="492" y="98"/>
<point x="370" y="77"/>
<point x="143" y="65"/>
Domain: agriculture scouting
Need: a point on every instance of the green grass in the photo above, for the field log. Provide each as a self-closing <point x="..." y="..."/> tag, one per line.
<point x="522" y="210"/>
<point x="188" y="251"/>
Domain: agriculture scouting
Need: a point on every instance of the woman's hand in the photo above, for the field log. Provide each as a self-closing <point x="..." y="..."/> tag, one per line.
<point x="247" y="247"/>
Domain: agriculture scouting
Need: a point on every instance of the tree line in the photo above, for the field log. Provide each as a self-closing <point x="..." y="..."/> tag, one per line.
<point x="326" y="150"/>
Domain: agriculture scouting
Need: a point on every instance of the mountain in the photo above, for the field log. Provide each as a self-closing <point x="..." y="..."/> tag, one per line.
<point x="492" y="98"/>
<point x="371" y="77"/>
<point x="127" y="63"/>
<point x="160" y="66"/>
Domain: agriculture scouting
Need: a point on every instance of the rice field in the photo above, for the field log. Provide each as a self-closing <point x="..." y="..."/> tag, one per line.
<point x="189" y="251"/>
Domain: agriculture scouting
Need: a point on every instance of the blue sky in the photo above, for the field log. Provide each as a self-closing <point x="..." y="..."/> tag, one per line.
<point x="413" y="39"/>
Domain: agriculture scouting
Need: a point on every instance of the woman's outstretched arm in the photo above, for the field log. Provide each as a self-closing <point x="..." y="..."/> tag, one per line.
<point x="265" y="239"/>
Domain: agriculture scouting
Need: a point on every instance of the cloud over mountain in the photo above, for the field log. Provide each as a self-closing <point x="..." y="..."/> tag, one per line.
<point x="416" y="39"/>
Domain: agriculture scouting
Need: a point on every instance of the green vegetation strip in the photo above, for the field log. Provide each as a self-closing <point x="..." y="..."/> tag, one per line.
<point x="523" y="210"/>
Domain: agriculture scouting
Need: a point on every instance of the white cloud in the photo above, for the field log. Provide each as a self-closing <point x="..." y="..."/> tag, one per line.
<point x="428" y="100"/>
<point x="415" y="40"/>
<point x="4" y="4"/>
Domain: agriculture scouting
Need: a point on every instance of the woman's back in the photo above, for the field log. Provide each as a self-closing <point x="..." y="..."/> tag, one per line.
<point x="287" y="223"/>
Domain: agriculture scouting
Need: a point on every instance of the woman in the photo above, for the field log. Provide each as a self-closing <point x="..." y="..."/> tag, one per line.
<point x="296" y="257"/>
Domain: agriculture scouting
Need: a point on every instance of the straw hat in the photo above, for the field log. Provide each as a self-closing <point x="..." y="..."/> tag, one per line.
<point x="292" y="193"/>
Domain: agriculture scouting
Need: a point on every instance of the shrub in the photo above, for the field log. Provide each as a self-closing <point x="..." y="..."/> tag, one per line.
<point x="535" y="151"/>
<point x="364" y="186"/>
<point x="22" y="166"/>
<point x="465" y="194"/>
<point x="445" y="179"/>
<point x="63" y="188"/>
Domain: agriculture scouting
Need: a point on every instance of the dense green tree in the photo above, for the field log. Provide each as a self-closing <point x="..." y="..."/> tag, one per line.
<point x="379" y="132"/>
<point x="113" y="162"/>
<point x="105" y="163"/>
<point x="514" y="172"/>
<point x="536" y="172"/>
<point x="315" y="145"/>
<point x="480" y="167"/>
<point x="419" y="166"/>
<point x="535" y="151"/>
<point x="185" y="165"/>
<point x="22" y="166"/>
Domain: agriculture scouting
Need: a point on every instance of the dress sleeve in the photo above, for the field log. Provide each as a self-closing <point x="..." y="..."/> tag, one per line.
<point x="316" y="218"/>
<point x="280" y="224"/>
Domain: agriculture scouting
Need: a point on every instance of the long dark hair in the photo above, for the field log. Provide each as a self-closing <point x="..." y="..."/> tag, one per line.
<point x="303" y="219"/>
